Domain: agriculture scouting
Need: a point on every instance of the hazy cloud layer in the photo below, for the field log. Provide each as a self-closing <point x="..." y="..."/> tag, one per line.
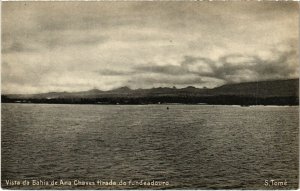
<point x="74" y="46"/>
<point x="230" y="68"/>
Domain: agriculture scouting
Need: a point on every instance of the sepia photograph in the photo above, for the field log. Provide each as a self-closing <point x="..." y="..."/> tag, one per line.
<point x="150" y="95"/>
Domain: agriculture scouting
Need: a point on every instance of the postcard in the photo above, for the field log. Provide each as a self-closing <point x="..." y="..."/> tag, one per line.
<point x="150" y="95"/>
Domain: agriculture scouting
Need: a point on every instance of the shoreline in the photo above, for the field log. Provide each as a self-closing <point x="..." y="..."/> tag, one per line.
<point x="162" y="104"/>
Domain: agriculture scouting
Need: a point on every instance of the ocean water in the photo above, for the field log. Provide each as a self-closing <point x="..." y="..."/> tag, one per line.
<point x="185" y="147"/>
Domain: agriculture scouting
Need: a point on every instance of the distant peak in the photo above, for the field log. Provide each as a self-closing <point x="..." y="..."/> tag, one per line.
<point x="94" y="90"/>
<point x="190" y="87"/>
<point x="124" y="88"/>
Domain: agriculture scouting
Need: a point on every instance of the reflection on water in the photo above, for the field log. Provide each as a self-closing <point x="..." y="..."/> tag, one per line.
<point x="190" y="146"/>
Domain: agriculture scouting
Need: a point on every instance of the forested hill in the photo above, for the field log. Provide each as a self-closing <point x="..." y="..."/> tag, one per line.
<point x="277" y="88"/>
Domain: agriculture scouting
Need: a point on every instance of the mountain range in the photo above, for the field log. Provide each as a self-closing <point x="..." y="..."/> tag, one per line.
<point x="262" y="90"/>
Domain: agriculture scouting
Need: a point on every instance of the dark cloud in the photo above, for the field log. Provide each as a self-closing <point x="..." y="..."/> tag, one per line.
<point x="165" y="69"/>
<point x="255" y="68"/>
<point x="84" y="23"/>
<point x="16" y="47"/>
<point x="49" y="43"/>
<point x="228" y="68"/>
<point x="179" y="81"/>
<point x="278" y="68"/>
<point x="109" y="72"/>
<point x="192" y="60"/>
<point x="65" y="41"/>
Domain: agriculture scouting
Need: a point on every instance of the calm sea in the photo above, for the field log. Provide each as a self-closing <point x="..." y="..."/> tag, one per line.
<point x="185" y="147"/>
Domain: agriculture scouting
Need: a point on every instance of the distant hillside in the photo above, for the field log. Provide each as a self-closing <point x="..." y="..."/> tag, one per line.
<point x="276" y="88"/>
<point x="276" y="92"/>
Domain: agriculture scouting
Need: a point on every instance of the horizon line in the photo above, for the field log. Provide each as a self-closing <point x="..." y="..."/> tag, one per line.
<point x="173" y="87"/>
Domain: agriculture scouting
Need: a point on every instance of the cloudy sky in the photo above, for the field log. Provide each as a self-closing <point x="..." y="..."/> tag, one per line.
<point x="75" y="46"/>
